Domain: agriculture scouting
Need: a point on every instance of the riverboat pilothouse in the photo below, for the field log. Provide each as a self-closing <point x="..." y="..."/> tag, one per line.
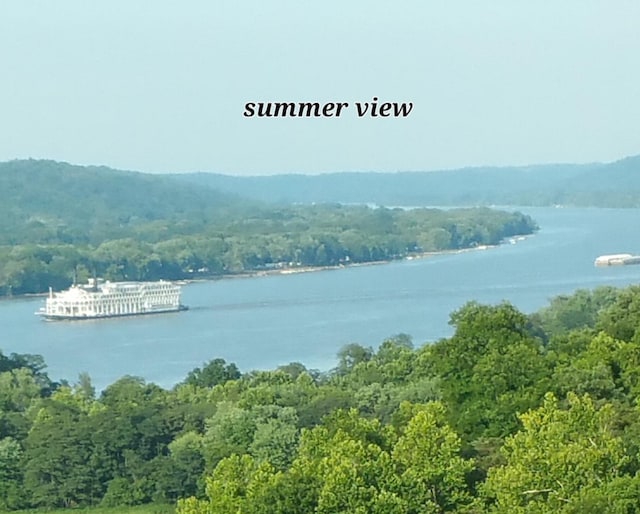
<point x="99" y="299"/>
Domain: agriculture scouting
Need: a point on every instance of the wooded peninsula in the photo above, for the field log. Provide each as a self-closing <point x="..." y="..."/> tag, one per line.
<point x="59" y="220"/>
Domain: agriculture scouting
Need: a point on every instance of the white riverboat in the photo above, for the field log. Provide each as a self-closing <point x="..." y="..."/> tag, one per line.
<point x="99" y="299"/>
<point x="618" y="259"/>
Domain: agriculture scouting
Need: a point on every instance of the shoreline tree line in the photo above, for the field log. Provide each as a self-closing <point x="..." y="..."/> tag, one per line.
<point x="317" y="236"/>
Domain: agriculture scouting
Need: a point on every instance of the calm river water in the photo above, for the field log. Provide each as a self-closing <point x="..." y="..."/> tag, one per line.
<point x="263" y="322"/>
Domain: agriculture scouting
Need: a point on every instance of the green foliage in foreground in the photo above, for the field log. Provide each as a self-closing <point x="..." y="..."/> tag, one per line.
<point x="140" y="509"/>
<point x="511" y="414"/>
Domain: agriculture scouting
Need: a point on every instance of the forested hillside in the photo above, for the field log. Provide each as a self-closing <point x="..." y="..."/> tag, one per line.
<point x="57" y="220"/>
<point x="614" y="184"/>
<point x="511" y="414"/>
<point x="54" y="202"/>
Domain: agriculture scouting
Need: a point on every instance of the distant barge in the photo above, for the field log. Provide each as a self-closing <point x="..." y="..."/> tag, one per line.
<point x="618" y="259"/>
<point x="99" y="299"/>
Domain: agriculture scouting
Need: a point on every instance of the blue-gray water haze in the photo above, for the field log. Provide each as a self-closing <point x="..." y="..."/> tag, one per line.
<point x="264" y="322"/>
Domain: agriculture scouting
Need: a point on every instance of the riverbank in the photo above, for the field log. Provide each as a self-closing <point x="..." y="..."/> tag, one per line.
<point x="291" y="270"/>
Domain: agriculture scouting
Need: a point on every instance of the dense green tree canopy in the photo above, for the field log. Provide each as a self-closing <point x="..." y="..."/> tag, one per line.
<point x="512" y="413"/>
<point x="258" y="240"/>
<point x="559" y="457"/>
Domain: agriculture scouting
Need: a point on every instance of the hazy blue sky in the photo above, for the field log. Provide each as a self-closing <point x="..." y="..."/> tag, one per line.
<point x="161" y="85"/>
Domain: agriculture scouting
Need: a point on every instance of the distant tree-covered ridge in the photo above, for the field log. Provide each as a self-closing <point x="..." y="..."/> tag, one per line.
<point x="615" y="184"/>
<point x="53" y="202"/>
<point x="513" y="413"/>
<point x="57" y="220"/>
